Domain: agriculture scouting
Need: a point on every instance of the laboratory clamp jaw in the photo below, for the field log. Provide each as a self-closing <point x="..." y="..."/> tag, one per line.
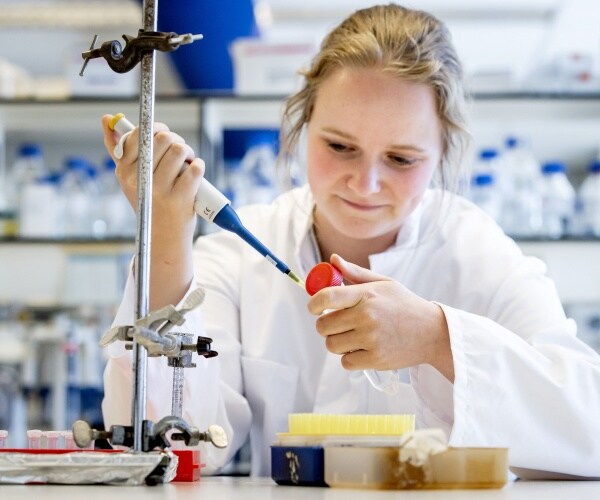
<point x="122" y="60"/>
<point x="153" y="332"/>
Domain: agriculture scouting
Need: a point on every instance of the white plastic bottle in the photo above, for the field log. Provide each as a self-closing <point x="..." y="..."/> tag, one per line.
<point x="558" y="200"/>
<point x="40" y="208"/>
<point x="522" y="200"/>
<point x="75" y="195"/>
<point x="96" y="226"/>
<point x="28" y="166"/>
<point x="117" y="212"/>
<point x="589" y="201"/>
<point x="486" y="195"/>
<point x="487" y="161"/>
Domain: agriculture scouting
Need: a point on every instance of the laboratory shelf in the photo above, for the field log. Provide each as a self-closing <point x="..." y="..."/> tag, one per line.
<point x="559" y="125"/>
<point x="81" y="116"/>
<point x="67" y="241"/>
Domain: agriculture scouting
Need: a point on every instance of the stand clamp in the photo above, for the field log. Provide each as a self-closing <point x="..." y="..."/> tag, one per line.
<point x="122" y="60"/>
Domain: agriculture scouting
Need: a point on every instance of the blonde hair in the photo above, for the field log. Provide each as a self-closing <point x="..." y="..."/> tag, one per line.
<point x="409" y="44"/>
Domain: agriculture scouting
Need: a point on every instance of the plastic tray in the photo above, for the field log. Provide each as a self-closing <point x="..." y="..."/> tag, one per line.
<point x="375" y="467"/>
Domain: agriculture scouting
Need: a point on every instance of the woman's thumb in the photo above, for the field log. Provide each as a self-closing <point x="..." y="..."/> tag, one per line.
<point x="353" y="273"/>
<point x="110" y="136"/>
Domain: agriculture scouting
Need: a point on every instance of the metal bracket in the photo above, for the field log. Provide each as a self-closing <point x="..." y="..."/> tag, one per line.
<point x="154" y="434"/>
<point x="122" y="60"/>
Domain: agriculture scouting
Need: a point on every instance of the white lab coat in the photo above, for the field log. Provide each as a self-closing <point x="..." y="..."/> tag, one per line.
<point x="523" y="380"/>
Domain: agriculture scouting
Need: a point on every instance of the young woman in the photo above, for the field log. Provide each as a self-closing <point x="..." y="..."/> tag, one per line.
<point x="437" y="295"/>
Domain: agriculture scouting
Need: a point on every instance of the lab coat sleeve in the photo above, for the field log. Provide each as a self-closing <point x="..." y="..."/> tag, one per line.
<point x="522" y="380"/>
<point x="207" y="398"/>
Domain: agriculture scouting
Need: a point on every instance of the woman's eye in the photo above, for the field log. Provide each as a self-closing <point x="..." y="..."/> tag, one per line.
<point x="339" y="148"/>
<point x="401" y="160"/>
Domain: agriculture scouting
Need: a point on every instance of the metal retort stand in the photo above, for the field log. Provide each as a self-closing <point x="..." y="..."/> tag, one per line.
<point x="150" y="335"/>
<point x="147" y="457"/>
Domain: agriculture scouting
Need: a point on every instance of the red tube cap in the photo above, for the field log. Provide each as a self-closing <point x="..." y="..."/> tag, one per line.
<point x="322" y="276"/>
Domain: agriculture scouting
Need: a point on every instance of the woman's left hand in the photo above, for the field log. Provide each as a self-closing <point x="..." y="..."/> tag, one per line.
<point x="377" y="323"/>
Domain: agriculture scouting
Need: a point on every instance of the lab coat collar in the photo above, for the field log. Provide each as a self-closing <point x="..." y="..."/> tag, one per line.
<point x="408" y="237"/>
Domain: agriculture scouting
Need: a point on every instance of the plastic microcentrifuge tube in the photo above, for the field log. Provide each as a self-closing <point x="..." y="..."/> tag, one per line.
<point x="3" y="438"/>
<point x="69" y="441"/>
<point x="34" y="439"/>
<point x="52" y="440"/>
<point x="324" y="275"/>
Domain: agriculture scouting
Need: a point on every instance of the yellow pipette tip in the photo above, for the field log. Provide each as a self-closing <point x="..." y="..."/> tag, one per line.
<point x="113" y="122"/>
<point x="294" y="277"/>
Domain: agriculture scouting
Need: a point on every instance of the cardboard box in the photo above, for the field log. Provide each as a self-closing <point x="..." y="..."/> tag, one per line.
<point x="263" y="67"/>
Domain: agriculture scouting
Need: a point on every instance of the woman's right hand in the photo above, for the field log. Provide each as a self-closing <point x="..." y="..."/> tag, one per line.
<point x="176" y="177"/>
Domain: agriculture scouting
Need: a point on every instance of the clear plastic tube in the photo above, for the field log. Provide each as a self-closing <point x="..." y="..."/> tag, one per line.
<point x="34" y="439"/>
<point x="387" y="381"/>
<point x="69" y="442"/>
<point x="3" y="439"/>
<point x="325" y="275"/>
<point x="53" y="440"/>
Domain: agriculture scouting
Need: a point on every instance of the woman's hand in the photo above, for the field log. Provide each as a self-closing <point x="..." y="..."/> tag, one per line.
<point x="377" y="323"/>
<point x="176" y="177"/>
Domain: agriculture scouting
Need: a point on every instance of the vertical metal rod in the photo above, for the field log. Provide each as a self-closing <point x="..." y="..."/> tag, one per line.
<point x="144" y="223"/>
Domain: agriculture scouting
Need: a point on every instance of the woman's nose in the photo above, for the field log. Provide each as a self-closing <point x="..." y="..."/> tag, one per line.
<point x="366" y="179"/>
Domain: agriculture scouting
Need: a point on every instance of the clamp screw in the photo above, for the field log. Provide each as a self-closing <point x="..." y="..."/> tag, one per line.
<point x="86" y="56"/>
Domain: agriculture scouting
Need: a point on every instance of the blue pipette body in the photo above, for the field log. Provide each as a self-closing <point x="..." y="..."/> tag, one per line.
<point x="228" y="219"/>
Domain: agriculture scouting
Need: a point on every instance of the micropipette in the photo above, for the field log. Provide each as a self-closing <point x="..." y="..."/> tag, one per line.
<point x="213" y="206"/>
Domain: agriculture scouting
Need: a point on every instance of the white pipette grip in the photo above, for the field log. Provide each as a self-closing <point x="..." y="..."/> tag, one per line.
<point x="208" y="201"/>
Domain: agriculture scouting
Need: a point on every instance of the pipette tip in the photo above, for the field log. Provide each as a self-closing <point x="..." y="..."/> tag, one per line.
<point x="294" y="277"/>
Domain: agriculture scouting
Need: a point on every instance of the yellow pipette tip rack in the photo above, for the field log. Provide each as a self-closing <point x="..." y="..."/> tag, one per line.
<point x="315" y="424"/>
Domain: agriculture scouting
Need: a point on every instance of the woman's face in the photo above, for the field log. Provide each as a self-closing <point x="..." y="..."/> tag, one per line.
<point x="374" y="142"/>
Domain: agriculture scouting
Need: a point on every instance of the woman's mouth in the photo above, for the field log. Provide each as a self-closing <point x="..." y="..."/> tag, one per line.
<point x="361" y="205"/>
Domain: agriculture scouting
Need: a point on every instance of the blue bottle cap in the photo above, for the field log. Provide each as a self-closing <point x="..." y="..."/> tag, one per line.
<point x="30" y="149"/>
<point x="76" y="163"/>
<point x="483" y="180"/>
<point x="488" y="154"/>
<point x="109" y="163"/>
<point x="553" y="167"/>
<point x="594" y="167"/>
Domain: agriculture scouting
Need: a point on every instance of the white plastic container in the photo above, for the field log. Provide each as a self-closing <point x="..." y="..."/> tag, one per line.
<point x="28" y="166"/>
<point x="40" y="209"/>
<point x="486" y="195"/>
<point x="268" y="67"/>
<point x="589" y="201"/>
<point x="116" y="211"/>
<point x="379" y="466"/>
<point x="488" y="161"/>
<point x="522" y="200"/>
<point x="77" y="200"/>
<point x="558" y="201"/>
